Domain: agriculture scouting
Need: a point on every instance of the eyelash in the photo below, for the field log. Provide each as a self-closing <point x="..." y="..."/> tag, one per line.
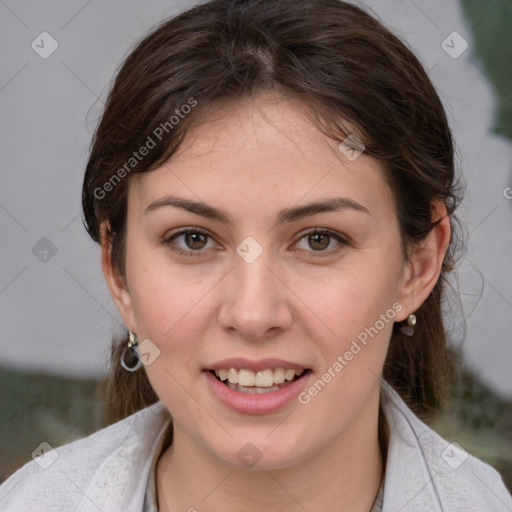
<point x="199" y="253"/>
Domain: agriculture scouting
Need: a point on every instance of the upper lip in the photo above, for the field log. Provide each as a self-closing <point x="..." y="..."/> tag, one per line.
<point x="256" y="365"/>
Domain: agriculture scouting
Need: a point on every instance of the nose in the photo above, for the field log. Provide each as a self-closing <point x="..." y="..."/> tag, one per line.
<point x="255" y="301"/>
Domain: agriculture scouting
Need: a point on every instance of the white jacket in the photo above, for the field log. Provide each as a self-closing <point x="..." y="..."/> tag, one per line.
<point x="108" y="471"/>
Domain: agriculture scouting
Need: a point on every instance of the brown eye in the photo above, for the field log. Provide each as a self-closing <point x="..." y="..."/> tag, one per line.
<point x="189" y="242"/>
<point x="195" y="240"/>
<point x="319" y="241"/>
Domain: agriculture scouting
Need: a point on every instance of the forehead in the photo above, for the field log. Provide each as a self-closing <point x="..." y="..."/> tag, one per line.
<point x="264" y="150"/>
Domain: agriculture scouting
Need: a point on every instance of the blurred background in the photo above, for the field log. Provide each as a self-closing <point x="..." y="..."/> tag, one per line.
<point x="57" y="317"/>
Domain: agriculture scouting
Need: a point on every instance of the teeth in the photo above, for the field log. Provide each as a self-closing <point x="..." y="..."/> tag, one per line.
<point x="262" y="379"/>
<point x="233" y="376"/>
<point x="252" y="390"/>
<point x="289" y="374"/>
<point x="246" y="378"/>
<point x="279" y="375"/>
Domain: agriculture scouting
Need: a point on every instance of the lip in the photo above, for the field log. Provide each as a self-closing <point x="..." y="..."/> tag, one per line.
<point x="241" y="363"/>
<point x="255" y="403"/>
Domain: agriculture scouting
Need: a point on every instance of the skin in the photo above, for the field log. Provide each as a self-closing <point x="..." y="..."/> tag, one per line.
<point x="293" y="302"/>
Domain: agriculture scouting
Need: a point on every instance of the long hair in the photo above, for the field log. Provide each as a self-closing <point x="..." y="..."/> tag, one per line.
<point x="345" y="66"/>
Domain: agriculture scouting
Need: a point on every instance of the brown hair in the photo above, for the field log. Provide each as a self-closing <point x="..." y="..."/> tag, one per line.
<point x="345" y="66"/>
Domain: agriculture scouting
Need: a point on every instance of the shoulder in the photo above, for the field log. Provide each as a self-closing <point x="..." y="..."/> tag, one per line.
<point x="426" y="472"/>
<point x="103" y="468"/>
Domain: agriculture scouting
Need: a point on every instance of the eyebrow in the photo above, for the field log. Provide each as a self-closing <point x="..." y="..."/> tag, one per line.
<point x="287" y="215"/>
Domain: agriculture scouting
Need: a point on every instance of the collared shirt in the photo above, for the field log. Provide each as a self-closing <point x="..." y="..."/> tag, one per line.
<point x="110" y="469"/>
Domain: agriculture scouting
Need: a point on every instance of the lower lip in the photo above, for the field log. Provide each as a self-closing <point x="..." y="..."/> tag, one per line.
<point x="256" y="403"/>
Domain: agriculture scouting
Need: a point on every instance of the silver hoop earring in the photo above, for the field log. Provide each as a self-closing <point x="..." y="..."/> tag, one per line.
<point x="408" y="329"/>
<point x="133" y="349"/>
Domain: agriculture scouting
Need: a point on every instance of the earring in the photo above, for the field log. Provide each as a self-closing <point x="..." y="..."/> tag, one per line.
<point x="408" y="329"/>
<point x="133" y="348"/>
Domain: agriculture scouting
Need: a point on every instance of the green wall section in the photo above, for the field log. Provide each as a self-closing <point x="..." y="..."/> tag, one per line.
<point x="491" y="24"/>
<point x="35" y="407"/>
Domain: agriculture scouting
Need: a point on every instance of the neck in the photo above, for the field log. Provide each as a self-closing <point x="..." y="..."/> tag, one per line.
<point x="345" y="476"/>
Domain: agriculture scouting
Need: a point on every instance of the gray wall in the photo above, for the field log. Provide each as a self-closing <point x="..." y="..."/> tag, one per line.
<point x="55" y="310"/>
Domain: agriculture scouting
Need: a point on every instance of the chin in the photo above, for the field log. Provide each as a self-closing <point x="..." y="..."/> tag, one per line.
<point x="263" y="452"/>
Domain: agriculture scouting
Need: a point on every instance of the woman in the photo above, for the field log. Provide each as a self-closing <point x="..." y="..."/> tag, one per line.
<point x="272" y="185"/>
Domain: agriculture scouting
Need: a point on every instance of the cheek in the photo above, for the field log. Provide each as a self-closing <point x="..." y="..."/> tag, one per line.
<point x="174" y="317"/>
<point x="357" y="308"/>
<point x="170" y="310"/>
<point x="164" y="297"/>
<point x="360" y="315"/>
<point x="352" y="301"/>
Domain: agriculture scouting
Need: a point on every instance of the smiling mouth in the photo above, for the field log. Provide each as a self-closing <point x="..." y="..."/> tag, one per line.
<point x="250" y="382"/>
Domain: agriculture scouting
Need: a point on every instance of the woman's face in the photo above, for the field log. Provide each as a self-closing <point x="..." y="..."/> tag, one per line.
<point x="250" y="288"/>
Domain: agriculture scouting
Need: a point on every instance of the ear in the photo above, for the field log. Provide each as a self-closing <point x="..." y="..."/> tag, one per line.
<point x="422" y="271"/>
<point x="117" y="285"/>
